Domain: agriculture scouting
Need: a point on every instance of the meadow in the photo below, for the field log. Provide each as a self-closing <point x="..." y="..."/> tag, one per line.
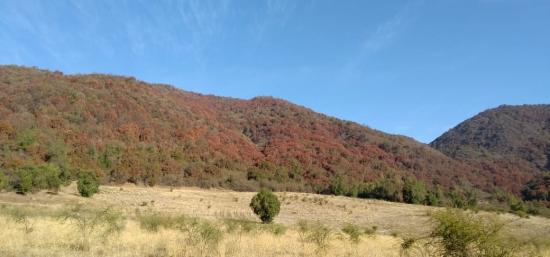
<point x="162" y="221"/>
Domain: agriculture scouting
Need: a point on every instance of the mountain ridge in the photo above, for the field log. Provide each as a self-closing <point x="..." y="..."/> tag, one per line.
<point x="514" y="139"/>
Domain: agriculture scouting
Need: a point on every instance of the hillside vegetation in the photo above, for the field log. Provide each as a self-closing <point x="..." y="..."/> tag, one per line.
<point x="513" y="141"/>
<point x="125" y="130"/>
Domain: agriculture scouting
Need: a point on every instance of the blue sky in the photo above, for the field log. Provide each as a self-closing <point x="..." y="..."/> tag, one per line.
<point x="415" y="68"/>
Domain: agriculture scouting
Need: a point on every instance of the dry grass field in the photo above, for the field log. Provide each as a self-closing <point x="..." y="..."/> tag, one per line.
<point x="38" y="225"/>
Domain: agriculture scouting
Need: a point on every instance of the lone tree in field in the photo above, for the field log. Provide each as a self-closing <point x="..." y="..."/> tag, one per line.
<point x="266" y="205"/>
<point x="87" y="184"/>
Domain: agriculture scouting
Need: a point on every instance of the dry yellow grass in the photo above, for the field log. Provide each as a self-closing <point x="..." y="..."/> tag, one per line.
<point x="52" y="237"/>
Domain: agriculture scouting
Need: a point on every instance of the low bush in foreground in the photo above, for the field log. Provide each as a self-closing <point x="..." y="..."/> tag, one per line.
<point x="87" y="184"/>
<point x="462" y="234"/>
<point x="91" y="222"/>
<point x="315" y="233"/>
<point x="266" y="205"/>
<point x="458" y="233"/>
<point x="353" y="232"/>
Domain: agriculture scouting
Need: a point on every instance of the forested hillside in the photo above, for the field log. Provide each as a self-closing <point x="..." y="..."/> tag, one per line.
<point x="513" y="141"/>
<point x="125" y="130"/>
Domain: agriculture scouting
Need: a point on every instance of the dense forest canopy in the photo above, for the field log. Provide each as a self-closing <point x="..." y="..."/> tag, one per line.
<point x="513" y="141"/>
<point x="124" y="130"/>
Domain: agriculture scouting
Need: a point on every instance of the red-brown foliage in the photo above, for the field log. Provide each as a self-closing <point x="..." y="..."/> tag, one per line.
<point x="131" y="131"/>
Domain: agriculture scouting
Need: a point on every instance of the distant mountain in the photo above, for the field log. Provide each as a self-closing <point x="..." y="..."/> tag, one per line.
<point x="126" y="130"/>
<point x="512" y="142"/>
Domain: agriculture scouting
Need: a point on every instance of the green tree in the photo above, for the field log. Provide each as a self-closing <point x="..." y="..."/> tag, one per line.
<point x="87" y="184"/>
<point x="266" y="205"/>
<point x="33" y="178"/>
<point x="49" y="177"/>
<point x="337" y="186"/>
<point x="3" y="181"/>
<point x="26" y="139"/>
<point x="414" y="191"/>
<point x="434" y="197"/>
<point x="23" y="182"/>
<point x="387" y="189"/>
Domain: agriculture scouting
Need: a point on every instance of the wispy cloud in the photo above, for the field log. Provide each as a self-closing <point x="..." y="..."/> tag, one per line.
<point x="16" y="18"/>
<point x="275" y="15"/>
<point x="204" y="21"/>
<point x="66" y="31"/>
<point x="382" y="37"/>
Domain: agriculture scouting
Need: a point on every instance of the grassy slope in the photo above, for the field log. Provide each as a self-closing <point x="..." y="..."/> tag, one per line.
<point x="391" y="218"/>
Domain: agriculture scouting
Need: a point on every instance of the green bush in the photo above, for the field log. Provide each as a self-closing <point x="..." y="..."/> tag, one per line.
<point x="371" y="231"/>
<point x="462" y="198"/>
<point x="414" y="191"/>
<point x="33" y="178"/>
<point x="49" y="178"/>
<point x="433" y="198"/>
<point x="24" y="181"/>
<point x="353" y="232"/>
<point x="461" y="234"/>
<point x="202" y="234"/>
<point x="388" y="189"/>
<point x="26" y="139"/>
<point x="87" y="184"/>
<point x="255" y="173"/>
<point x="275" y="229"/>
<point x="519" y="208"/>
<point x="91" y="223"/>
<point x="3" y="181"/>
<point x="266" y="205"/>
<point x="364" y="190"/>
<point x="337" y="187"/>
<point x="240" y="225"/>
<point x="153" y="222"/>
<point x="315" y="233"/>
<point x="20" y="216"/>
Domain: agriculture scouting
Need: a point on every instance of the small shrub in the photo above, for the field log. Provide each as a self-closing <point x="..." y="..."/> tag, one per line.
<point x="153" y="222"/>
<point x="433" y="198"/>
<point x="533" y="209"/>
<point x="266" y="205"/>
<point x="407" y="243"/>
<point x="238" y="225"/>
<point x="113" y="221"/>
<point x="3" y="181"/>
<point x="389" y="189"/>
<point x="462" y="199"/>
<point x="353" y="232"/>
<point x="202" y="234"/>
<point x="24" y="181"/>
<point x="254" y="173"/>
<point x="275" y="229"/>
<point x="22" y="217"/>
<point x="461" y="234"/>
<point x="87" y="184"/>
<point x="338" y="187"/>
<point x="315" y="233"/>
<point x="92" y="222"/>
<point x="26" y="139"/>
<point x="371" y="231"/>
<point x="519" y="208"/>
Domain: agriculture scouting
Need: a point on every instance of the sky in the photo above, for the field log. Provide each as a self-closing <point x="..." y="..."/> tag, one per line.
<point x="415" y="68"/>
